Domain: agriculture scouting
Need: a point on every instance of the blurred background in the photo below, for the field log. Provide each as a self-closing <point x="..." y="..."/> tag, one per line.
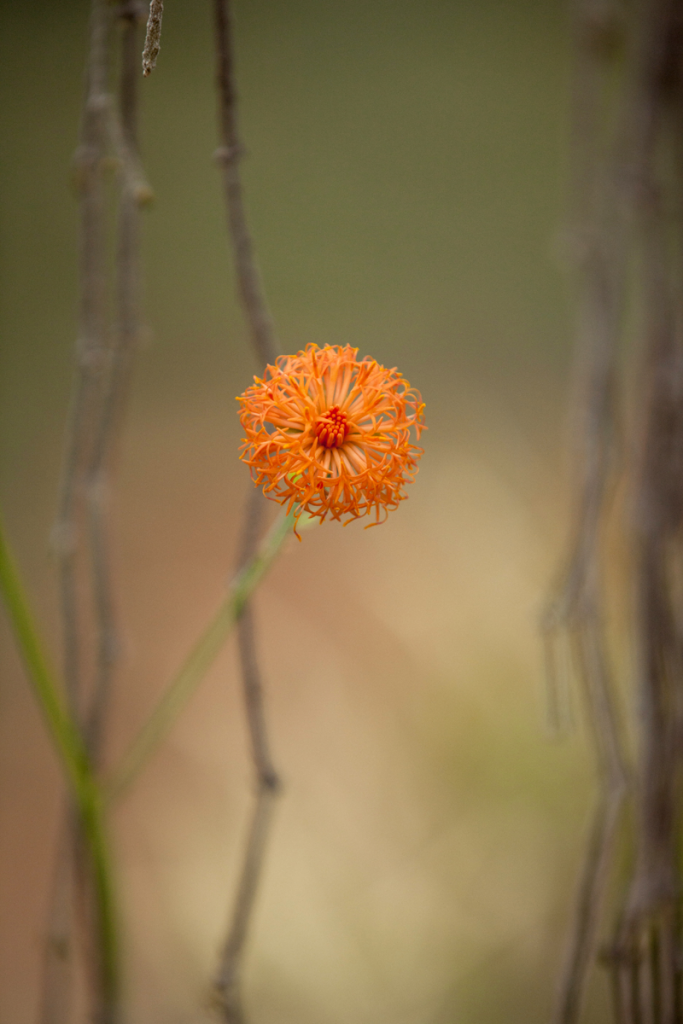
<point x="406" y="179"/>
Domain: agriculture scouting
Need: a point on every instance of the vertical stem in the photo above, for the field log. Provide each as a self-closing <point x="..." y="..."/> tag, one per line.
<point x="599" y="234"/>
<point x="78" y="770"/>
<point x="57" y="971"/>
<point x="227" y="986"/>
<point x="57" y="956"/>
<point x="101" y="384"/>
<point x="229" y="155"/>
<point x="116" y="385"/>
<point x="108" y="419"/>
<point x="91" y="334"/>
<point x="645" y="953"/>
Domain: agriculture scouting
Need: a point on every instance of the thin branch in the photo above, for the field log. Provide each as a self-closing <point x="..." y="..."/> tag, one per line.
<point x="647" y="943"/>
<point x="120" y="357"/>
<point x="98" y="385"/>
<point x="229" y="155"/>
<point x="227" y="984"/>
<point x="253" y="695"/>
<point x="598" y="233"/>
<point x="152" y="37"/>
<point x="575" y="607"/>
<point x="227" y="987"/>
<point x="91" y="333"/>
<point x="644" y="957"/>
<point x="604" y="829"/>
<point x="135" y="181"/>
<point x="66" y="541"/>
<point x="58" y="952"/>
<point x="650" y="921"/>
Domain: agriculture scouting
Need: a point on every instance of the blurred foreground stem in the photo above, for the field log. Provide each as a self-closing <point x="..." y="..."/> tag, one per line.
<point x="77" y="767"/>
<point x="88" y="795"/>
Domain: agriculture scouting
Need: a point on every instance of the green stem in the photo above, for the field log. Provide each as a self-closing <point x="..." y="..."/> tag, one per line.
<point x="73" y="754"/>
<point x="95" y="832"/>
<point x="65" y="734"/>
<point x="200" y="659"/>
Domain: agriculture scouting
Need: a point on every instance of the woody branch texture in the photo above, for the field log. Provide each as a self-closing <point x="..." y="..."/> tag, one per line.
<point x="626" y="248"/>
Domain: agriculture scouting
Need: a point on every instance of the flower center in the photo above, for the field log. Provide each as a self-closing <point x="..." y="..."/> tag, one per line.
<point x="332" y="427"/>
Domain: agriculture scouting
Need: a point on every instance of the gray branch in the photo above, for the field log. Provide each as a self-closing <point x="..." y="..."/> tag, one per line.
<point x="66" y="536"/>
<point x="102" y="373"/>
<point x="227" y="983"/>
<point x="134" y="193"/>
<point x="628" y="180"/>
<point x="152" y="37"/>
<point x="229" y="155"/>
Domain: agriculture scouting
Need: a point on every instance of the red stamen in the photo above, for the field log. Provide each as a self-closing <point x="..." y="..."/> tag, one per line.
<point x="332" y="428"/>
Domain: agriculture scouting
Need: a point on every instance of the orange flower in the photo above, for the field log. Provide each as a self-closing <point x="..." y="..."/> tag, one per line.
<point x="331" y="433"/>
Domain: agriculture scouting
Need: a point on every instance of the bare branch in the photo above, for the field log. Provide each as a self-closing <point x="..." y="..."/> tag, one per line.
<point x="227" y="985"/>
<point x="101" y="382"/>
<point x="599" y="234"/>
<point x="116" y="386"/>
<point x="229" y="155"/>
<point x="58" y="954"/>
<point x="136" y="184"/>
<point x="152" y="37"/>
<point x="644" y="956"/>
<point x="92" y="332"/>
<point x="603" y="833"/>
<point x="66" y="540"/>
<point x="227" y="988"/>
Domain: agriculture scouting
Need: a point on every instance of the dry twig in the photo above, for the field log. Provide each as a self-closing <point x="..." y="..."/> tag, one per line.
<point x="227" y="984"/>
<point x="65" y="536"/>
<point x="91" y="335"/>
<point x="152" y="37"/>
<point x="229" y="155"/>
<point x="134" y="192"/>
<point x="643" y="181"/>
<point x="576" y="607"/>
<point x="227" y="988"/>
<point x="103" y="370"/>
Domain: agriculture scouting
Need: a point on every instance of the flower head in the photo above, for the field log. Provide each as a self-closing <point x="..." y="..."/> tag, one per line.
<point x="331" y="433"/>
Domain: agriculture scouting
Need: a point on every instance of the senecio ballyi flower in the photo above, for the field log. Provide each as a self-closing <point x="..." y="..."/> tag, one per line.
<point x="331" y="434"/>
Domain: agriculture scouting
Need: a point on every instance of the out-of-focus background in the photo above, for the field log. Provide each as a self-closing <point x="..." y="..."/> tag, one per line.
<point x="406" y="181"/>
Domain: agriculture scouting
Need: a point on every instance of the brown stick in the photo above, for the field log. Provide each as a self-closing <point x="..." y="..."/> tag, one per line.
<point x="99" y="396"/>
<point x="58" y="954"/>
<point x="66" y="541"/>
<point x="599" y="231"/>
<point x="229" y="155"/>
<point x="152" y="37"/>
<point x="645" y="955"/>
<point x="109" y="412"/>
<point x="91" y="342"/>
<point x="121" y="353"/>
<point x="607" y="817"/>
<point x="659" y="515"/>
<point x="227" y="984"/>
